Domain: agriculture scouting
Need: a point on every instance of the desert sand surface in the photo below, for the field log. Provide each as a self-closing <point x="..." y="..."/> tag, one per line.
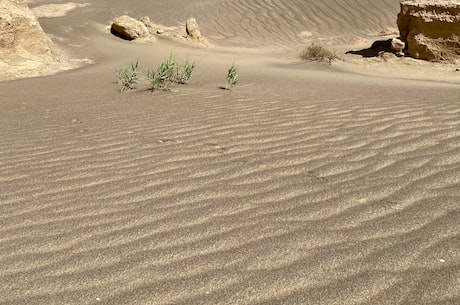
<point x="307" y="184"/>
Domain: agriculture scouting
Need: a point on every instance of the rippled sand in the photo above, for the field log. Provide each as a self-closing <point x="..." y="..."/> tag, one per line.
<point x="304" y="185"/>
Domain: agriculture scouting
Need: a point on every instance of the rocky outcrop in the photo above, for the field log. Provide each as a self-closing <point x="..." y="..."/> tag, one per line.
<point x="129" y="28"/>
<point x="192" y="29"/>
<point x="193" y="32"/>
<point x="20" y="33"/>
<point x="145" y="30"/>
<point x="25" y="49"/>
<point x="431" y="29"/>
<point x="147" y="22"/>
<point x="397" y="46"/>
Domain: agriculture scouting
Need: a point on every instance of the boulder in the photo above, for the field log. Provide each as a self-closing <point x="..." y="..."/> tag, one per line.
<point x="129" y="28"/>
<point x="431" y="29"/>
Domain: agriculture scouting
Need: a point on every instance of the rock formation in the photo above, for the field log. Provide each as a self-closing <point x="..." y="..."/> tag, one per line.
<point x="25" y="50"/>
<point x="193" y="32"/>
<point x="397" y="46"/>
<point x="147" y="22"/>
<point x="431" y="29"/>
<point x="129" y="28"/>
<point x="145" y="30"/>
<point x="192" y="29"/>
<point x="20" y="33"/>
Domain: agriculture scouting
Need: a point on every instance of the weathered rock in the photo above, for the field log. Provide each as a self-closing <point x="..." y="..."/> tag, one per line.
<point x="146" y="31"/>
<point x="25" y="49"/>
<point x="20" y="33"/>
<point x="398" y="46"/>
<point x="129" y="28"/>
<point x="192" y="29"/>
<point x="431" y="29"/>
<point x="193" y="32"/>
<point x="147" y="22"/>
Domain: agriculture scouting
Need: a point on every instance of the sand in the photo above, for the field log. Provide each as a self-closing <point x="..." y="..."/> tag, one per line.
<point x="307" y="184"/>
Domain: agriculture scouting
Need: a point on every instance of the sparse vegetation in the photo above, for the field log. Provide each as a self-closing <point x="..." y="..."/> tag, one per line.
<point x="164" y="75"/>
<point x="184" y="72"/>
<point x="160" y="78"/>
<point x="169" y="72"/>
<point x="128" y="76"/>
<point x="232" y="77"/>
<point x="318" y="53"/>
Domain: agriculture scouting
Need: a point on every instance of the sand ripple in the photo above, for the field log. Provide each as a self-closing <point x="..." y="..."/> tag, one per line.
<point x="281" y="23"/>
<point x="241" y="198"/>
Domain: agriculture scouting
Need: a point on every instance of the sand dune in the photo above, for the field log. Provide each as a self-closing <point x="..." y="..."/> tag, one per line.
<point x="246" y="197"/>
<point x="258" y="23"/>
<point x="305" y="185"/>
<point x="264" y="23"/>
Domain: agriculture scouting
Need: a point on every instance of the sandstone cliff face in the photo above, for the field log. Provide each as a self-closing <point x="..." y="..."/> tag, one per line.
<point x="25" y="50"/>
<point x="431" y="29"/>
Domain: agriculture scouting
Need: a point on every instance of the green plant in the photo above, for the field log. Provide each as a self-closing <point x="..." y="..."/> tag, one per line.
<point x="164" y="75"/>
<point x="318" y="53"/>
<point x="232" y="77"/>
<point x="184" y="72"/>
<point x="128" y="76"/>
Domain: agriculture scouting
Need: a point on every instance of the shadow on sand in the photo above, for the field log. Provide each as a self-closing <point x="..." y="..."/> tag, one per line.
<point x="375" y="50"/>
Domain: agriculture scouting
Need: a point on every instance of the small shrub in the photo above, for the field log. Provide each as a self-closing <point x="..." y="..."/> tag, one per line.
<point x="232" y="77"/>
<point x="128" y="76"/>
<point x="184" y="72"/>
<point x="318" y="53"/>
<point x="164" y="75"/>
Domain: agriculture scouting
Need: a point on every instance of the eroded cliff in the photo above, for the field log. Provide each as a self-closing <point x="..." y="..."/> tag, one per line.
<point x="431" y="29"/>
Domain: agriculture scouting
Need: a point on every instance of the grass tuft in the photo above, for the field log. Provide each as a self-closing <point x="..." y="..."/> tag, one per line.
<point x="164" y="75"/>
<point x="128" y="76"/>
<point x="232" y="77"/>
<point x="318" y="53"/>
<point x="160" y="78"/>
<point x="184" y="72"/>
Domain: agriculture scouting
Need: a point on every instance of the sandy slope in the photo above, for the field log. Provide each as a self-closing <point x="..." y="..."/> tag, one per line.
<point x="258" y="23"/>
<point x="305" y="185"/>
